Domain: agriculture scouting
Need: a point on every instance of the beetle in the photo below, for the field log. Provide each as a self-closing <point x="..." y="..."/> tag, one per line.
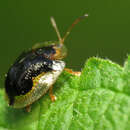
<point x="34" y="72"/>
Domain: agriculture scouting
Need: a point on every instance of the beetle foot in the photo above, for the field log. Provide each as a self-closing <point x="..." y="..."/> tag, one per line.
<point x="28" y="108"/>
<point x="53" y="97"/>
<point x="77" y="73"/>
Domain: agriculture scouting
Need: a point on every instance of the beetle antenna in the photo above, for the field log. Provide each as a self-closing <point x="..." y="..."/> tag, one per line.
<point x="56" y="29"/>
<point x="69" y="29"/>
<point x="73" y="24"/>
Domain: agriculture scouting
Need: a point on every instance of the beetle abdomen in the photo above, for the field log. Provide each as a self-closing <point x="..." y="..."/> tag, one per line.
<point x="19" y="78"/>
<point x="41" y="84"/>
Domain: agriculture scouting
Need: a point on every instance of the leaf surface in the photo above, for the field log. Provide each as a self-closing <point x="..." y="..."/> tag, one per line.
<point x="97" y="100"/>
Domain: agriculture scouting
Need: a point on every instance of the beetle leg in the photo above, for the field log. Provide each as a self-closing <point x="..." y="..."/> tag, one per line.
<point x="53" y="97"/>
<point x="28" y="108"/>
<point x="77" y="73"/>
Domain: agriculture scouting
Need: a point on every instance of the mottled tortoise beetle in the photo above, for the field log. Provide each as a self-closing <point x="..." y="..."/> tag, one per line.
<point x="35" y="71"/>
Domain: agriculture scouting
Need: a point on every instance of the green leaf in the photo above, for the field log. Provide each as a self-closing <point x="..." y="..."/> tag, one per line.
<point x="99" y="99"/>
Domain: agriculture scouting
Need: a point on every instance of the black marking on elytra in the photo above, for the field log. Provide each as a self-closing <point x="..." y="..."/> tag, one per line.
<point x="46" y="51"/>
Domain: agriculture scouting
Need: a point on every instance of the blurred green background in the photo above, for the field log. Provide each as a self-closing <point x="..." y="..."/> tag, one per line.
<point x="105" y="33"/>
